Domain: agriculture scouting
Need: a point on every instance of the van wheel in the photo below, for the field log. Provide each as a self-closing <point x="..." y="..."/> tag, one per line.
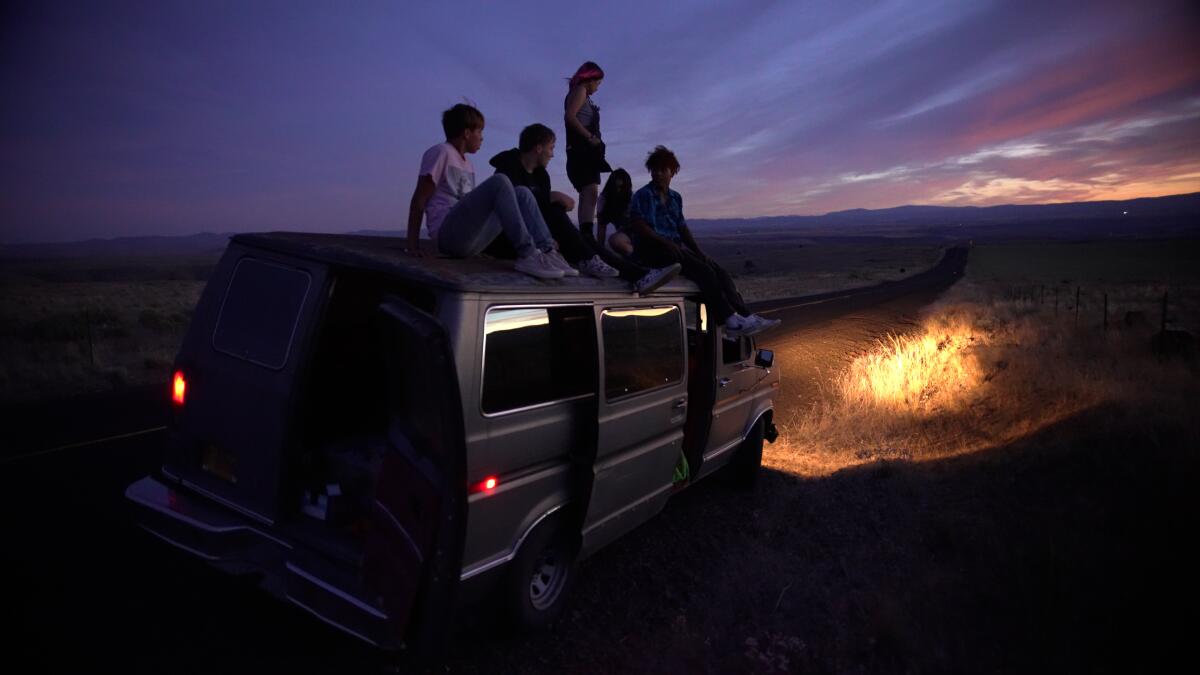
<point x="540" y="577"/>
<point x="745" y="465"/>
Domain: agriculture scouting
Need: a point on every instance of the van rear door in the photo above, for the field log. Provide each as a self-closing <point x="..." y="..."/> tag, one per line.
<point x="240" y="362"/>
<point x="414" y="548"/>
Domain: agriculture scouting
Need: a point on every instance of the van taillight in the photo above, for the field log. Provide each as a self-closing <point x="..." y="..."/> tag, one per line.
<point x="487" y="485"/>
<point x="178" y="387"/>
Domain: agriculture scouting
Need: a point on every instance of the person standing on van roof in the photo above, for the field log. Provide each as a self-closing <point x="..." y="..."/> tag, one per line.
<point x="660" y="236"/>
<point x="463" y="219"/>
<point x="525" y="165"/>
<point x="585" y="149"/>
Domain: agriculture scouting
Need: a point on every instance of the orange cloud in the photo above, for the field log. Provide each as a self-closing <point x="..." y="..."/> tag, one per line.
<point x="1095" y="84"/>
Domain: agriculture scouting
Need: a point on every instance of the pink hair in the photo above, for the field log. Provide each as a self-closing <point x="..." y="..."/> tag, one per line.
<point x="587" y="72"/>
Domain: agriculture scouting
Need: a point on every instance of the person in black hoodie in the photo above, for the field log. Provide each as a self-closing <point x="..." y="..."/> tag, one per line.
<point x="525" y="166"/>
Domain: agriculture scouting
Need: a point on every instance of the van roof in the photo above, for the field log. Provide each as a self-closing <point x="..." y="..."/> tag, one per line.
<point x="480" y="274"/>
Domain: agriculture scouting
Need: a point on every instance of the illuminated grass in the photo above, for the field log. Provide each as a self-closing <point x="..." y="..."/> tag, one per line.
<point x="978" y="373"/>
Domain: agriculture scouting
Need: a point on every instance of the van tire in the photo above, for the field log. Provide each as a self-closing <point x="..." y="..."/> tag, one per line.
<point x="745" y="465"/>
<point x="540" y="577"/>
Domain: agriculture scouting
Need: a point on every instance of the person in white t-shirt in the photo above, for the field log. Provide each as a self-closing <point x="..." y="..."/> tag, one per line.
<point x="462" y="218"/>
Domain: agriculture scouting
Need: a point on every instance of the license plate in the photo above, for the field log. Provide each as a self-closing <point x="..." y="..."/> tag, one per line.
<point x="219" y="462"/>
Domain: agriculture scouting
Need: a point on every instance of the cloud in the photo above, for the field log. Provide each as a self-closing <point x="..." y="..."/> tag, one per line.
<point x="147" y="118"/>
<point x="1015" y="150"/>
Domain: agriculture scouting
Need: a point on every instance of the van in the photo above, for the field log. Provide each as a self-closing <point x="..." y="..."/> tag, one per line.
<point x="383" y="438"/>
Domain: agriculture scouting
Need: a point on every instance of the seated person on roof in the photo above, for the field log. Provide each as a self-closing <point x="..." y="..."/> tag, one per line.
<point x="463" y="219"/>
<point x="613" y="207"/>
<point x="525" y="166"/>
<point x="660" y="236"/>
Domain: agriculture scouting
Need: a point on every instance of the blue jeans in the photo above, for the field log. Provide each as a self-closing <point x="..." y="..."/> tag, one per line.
<point x="494" y="206"/>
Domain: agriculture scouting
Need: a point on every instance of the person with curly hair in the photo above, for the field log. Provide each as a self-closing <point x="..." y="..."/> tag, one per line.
<point x="661" y="236"/>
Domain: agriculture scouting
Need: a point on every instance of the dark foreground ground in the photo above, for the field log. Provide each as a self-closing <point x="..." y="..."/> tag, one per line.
<point x="1065" y="553"/>
<point x="1068" y="551"/>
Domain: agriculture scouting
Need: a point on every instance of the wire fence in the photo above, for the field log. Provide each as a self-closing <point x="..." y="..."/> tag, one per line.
<point x="1104" y="309"/>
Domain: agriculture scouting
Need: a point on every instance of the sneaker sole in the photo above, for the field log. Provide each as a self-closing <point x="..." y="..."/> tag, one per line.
<point x="663" y="281"/>
<point x="540" y="274"/>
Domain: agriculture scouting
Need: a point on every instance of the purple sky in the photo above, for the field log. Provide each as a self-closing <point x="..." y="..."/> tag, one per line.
<point x="163" y="118"/>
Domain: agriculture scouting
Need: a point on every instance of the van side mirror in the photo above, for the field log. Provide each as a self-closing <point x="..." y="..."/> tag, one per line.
<point x="765" y="358"/>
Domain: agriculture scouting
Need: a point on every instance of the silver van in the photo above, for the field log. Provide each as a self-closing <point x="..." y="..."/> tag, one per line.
<point x="384" y="438"/>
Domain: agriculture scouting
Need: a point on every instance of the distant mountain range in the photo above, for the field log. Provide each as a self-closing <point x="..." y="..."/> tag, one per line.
<point x="1154" y="217"/>
<point x="1176" y="215"/>
<point x="119" y="247"/>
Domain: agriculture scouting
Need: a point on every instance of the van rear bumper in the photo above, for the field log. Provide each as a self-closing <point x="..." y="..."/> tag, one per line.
<point x="233" y="544"/>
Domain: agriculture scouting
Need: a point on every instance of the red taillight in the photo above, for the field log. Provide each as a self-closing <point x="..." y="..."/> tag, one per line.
<point x="178" y="387"/>
<point x="486" y="485"/>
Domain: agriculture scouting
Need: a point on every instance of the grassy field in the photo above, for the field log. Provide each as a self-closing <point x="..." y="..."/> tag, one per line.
<point x="996" y="359"/>
<point x="81" y="326"/>
<point x="776" y="265"/>
<point x="89" y="325"/>
<point x="1002" y="487"/>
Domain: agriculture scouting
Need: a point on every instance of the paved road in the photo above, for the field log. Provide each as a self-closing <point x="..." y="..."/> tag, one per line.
<point x="89" y="590"/>
<point x="822" y="334"/>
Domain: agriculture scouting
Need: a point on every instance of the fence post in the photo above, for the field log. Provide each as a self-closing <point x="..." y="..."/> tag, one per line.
<point x="87" y="319"/>
<point x="1077" y="307"/>
<point x="1056" y="301"/>
<point x="1163" y="328"/>
<point x="1042" y="297"/>
<point x="1106" y="311"/>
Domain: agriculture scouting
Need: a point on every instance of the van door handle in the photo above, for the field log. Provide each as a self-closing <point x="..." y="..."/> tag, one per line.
<point x="724" y="381"/>
<point x="681" y="403"/>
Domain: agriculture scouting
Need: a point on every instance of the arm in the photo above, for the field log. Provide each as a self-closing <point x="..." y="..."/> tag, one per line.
<point x="601" y="218"/>
<point x="685" y="233"/>
<point x="642" y="229"/>
<point x="416" y="211"/>
<point x="574" y="103"/>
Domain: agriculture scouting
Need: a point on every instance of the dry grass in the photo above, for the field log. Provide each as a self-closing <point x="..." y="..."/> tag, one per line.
<point x="72" y="337"/>
<point x="778" y="265"/>
<point x="982" y="371"/>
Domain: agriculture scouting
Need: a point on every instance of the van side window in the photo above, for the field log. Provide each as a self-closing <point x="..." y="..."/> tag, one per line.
<point x="643" y="349"/>
<point x="259" y="313"/>
<point x="736" y="351"/>
<point x="537" y="355"/>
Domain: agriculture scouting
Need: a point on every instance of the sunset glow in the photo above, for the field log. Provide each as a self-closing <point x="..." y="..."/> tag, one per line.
<point x="145" y="119"/>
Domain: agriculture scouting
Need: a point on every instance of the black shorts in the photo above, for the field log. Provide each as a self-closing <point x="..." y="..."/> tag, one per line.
<point x="585" y="163"/>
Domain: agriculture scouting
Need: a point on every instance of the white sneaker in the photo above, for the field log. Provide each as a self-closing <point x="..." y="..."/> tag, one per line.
<point x="763" y="322"/>
<point x="595" y="267"/>
<point x="737" y="326"/>
<point x="561" y="263"/>
<point x="655" y="278"/>
<point x="537" y="265"/>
